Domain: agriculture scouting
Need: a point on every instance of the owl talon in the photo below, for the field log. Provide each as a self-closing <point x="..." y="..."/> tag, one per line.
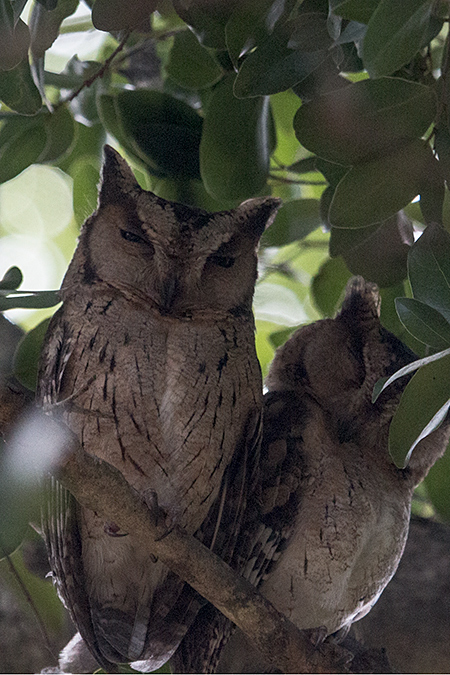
<point x="161" y="518"/>
<point x="169" y="529"/>
<point x="150" y="498"/>
<point x="113" y="530"/>
<point x="317" y="635"/>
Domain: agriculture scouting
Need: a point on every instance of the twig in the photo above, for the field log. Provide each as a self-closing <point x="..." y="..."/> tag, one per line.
<point x="296" y="181"/>
<point x="100" y="72"/>
<point x="29" y="599"/>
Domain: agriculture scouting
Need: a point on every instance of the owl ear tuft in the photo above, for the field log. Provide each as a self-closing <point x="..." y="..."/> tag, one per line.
<point x="258" y="214"/>
<point x="118" y="180"/>
<point x="361" y="304"/>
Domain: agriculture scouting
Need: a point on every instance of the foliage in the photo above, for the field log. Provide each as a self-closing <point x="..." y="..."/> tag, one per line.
<point x="340" y="107"/>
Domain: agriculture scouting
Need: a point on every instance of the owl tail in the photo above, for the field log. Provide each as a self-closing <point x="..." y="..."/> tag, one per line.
<point x="150" y="637"/>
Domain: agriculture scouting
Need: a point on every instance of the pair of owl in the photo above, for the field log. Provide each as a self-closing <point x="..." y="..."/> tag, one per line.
<point x="152" y="361"/>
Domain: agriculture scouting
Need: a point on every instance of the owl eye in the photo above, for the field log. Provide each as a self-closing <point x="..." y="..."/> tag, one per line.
<point x="223" y="260"/>
<point x="131" y="236"/>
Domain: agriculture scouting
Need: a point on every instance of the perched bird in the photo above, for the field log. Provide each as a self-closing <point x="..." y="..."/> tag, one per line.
<point x="151" y="362"/>
<point x="326" y="528"/>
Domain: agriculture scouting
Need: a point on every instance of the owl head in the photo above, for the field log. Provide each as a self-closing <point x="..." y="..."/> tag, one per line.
<point x="179" y="259"/>
<point x="337" y="361"/>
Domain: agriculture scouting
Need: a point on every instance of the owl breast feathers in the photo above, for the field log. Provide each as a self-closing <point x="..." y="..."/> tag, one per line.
<point x="328" y="521"/>
<point x="151" y="360"/>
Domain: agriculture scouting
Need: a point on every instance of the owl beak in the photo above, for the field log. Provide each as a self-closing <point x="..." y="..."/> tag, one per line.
<point x="169" y="291"/>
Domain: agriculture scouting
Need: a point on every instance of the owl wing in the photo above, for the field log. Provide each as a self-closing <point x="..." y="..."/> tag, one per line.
<point x="60" y="511"/>
<point x="267" y="525"/>
<point x="176" y="604"/>
<point x="62" y="538"/>
<point x="56" y="352"/>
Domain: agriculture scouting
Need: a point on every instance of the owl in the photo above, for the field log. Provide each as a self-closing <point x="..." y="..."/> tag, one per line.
<point x="151" y="363"/>
<point x="327" y="525"/>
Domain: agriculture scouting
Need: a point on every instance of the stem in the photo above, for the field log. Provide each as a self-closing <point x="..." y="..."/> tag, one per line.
<point x="73" y="25"/>
<point x="29" y="599"/>
<point x="101" y="71"/>
<point x="296" y="181"/>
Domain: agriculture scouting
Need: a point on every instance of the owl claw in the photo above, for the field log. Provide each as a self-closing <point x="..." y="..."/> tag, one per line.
<point x="162" y="520"/>
<point x="341" y="655"/>
<point x="113" y="530"/>
<point x="317" y="635"/>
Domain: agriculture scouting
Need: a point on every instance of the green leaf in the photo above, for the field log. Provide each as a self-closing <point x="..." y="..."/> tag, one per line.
<point x="279" y="337"/>
<point x="332" y="172"/>
<point x="29" y="300"/>
<point x="28" y="140"/>
<point x="37" y="67"/>
<point x="112" y="122"/>
<point x="26" y="357"/>
<point x="342" y="241"/>
<point x="110" y="118"/>
<point x="365" y="119"/>
<point x="22" y="142"/>
<point x="11" y="279"/>
<point x="438" y="486"/>
<point x="306" y="165"/>
<point x="294" y="221"/>
<point x="424" y="322"/>
<point x="251" y="23"/>
<point x="422" y="408"/>
<point x="74" y="74"/>
<point x="328" y="286"/>
<point x="45" y="24"/>
<point x="60" y="128"/>
<point x="191" y="65"/>
<point x="20" y="504"/>
<point x="84" y="105"/>
<point x="353" y="32"/>
<point x="381" y="256"/>
<point x="277" y="304"/>
<point x="389" y="318"/>
<point x="429" y="269"/>
<point x="432" y="195"/>
<point x="85" y="175"/>
<point x="18" y="90"/>
<point x="116" y="15"/>
<point x="88" y="145"/>
<point x="235" y="145"/>
<point x="14" y="37"/>
<point x="383" y="383"/>
<point x="18" y="6"/>
<point x="442" y="147"/>
<point x="295" y="49"/>
<point x="355" y="10"/>
<point x="395" y="33"/>
<point x="207" y="19"/>
<point x="165" y="131"/>
<point x="373" y="191"/>
<point x="30" y="452"/>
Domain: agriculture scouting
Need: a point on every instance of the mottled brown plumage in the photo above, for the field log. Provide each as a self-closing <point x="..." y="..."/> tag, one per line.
<point x="151" y="361"/>
<point x="332" y="507"/>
